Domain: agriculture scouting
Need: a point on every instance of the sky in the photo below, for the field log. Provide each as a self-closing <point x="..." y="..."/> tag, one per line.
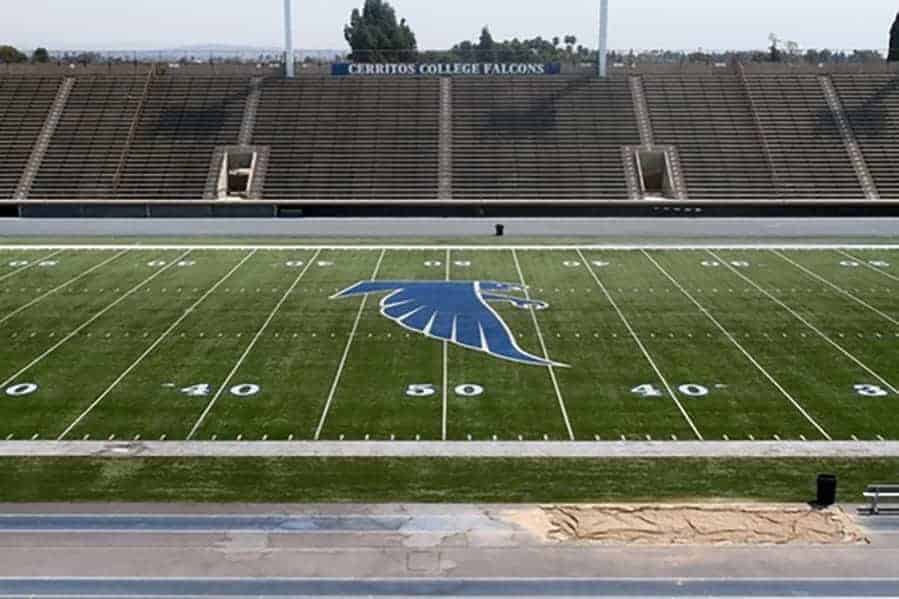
<point x="637" y="24"/>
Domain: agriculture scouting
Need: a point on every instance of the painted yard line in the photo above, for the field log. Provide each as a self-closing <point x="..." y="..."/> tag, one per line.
<point x="346" y="353"/>
<point x="646" y="354"/>
<point x="75" y="279"/>
<point x="250" y="346"/>
<point x="808" y="324"/>
<point x="93" y="319"/>
<point x="152" y="348"/>
<point x="868" y="265"/>
<point x="552" y="370"/>
<point x="437" y="248"/>
<point x="445" y="361"/>
<point x="742" y="349"/>
<point x="838" y="289"/>
<point x="455" y="449"/>
<point x="31" y="264"/>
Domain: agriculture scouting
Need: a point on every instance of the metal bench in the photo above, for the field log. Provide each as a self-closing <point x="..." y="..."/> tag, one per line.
<point x="877" y="493"/>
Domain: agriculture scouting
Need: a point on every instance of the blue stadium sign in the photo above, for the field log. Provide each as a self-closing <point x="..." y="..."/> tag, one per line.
<point x="346" y="69"/>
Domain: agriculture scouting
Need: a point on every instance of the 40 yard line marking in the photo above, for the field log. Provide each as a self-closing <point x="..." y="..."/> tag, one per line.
<point x="445" y="361"/>
<point x="152" y="348"/>
<point x="642" y="347"/>
<point x="552" y="370"/>
<point x="808" y="324"/>
<point x="21" y="309"/>
<point x="743" y="350"/>
<point x="93" y="319"/>
<point x="838" y="289"/>
<point x="250" y="347"/>
<point x="29" y="265"/>
<point x="346" y="353"/>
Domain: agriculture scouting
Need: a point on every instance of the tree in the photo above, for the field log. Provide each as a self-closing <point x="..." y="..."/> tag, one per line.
<point x="40" y="56"/>
<point x="9" y="54"/>
<point x="375" y="35"/>
<point x="894" y="41"/>
<point x="486" y="42"/>
<point x="775" y="54"/>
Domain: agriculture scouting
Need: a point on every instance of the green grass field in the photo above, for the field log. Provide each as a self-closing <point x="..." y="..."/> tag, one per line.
<point x="225" y="344"/>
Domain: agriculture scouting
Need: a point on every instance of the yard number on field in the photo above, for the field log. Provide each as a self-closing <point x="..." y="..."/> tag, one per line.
<point x="427" y="390"/>
<point x="205" y="389"/>
<point x="21" y="390"/>
<point x="690" y="390"/>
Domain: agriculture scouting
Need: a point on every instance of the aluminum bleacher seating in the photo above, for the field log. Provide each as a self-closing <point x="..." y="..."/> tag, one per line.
<point x="24" y="105"/>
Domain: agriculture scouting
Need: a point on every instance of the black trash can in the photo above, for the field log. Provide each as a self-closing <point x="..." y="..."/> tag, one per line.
<point x="500" y="230"/>
<point x="827" y="490"/>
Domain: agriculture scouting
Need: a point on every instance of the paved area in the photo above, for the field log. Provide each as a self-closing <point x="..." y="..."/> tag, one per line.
<point x="460" y="227"/>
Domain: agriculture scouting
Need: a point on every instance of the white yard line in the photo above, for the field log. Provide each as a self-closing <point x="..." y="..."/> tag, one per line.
<point x="869" y="266"/>
<point x="346" y="353"/>
<point x="93" y="319"/>
<point x="152" y="347"/>
<point x="31" y="264"/>
<point x="43" y="296"/>
<point x="642" y="347"/>
<point x="250" y="346"/>
<point x="552" y="370"/>
<point x="838" y="289"/>
<point x="437" y="248"/>
<point x="446" y="361"/>
<point x="743" y="350"/>
<point x="808" y="324"/>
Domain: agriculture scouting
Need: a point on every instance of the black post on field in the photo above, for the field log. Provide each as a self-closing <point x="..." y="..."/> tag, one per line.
<point x="894" y="41"/>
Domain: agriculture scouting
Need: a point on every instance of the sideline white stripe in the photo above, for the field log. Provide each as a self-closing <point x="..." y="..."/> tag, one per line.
<point x="152" y="347"/>
<point x="838" y="289"/>
<point x="456" y="449"/>
<point x="75" y="279"/>
<point x="446" y="358"/>
<point x="743" y="350"/>
<point x="802" y="319"/>
<point x="346" y="353"/>
<point x="250" y="346"/>
<point x="31" y="264"/>
<point x="92" y="319"/>
<point x="552" y="370"/>
<point x="869" y="266"/>
<point x="468" y="247"/>
<point x="642" y="347"/>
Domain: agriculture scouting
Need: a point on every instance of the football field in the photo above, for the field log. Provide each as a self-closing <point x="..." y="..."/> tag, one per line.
<point x="429" y="343"/>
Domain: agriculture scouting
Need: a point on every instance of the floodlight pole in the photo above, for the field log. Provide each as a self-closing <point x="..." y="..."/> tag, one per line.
<point x="603" y="38"/>
<point x="289" y="67"/>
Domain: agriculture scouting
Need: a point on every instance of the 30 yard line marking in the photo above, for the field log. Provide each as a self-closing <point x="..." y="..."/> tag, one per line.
<point x="31" y="264"/>
<point x="838" y="289"/>
<point x="869" y="266"/>
<point x="743" y="350"/>
<point x="446" y="360"/>
<point x="93" y="319"/>
<point x="808" y="324"/>
<point x="152" y="347"/>
<point x="250" y="346"/>
<point x="642" y="347"/>
<point x="21" y="309"/>
<point x="346" y="353"/>
<point x="552" y="370"/>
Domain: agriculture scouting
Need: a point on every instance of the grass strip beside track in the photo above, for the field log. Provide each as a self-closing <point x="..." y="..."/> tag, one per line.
<point x="429" y="480"/>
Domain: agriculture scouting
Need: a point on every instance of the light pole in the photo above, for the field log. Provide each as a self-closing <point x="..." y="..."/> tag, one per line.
<point x="603" y="38"/>
<point x="289" y="68"/>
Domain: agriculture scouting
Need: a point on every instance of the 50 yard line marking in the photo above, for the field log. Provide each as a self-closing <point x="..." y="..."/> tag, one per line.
<point x="250" y="346"/>
<point x="346" y="353"/>
<point x="552" y="370"/>
<point x="642" y="347"/>
<point x="29" y="265"/>
<point x="93" y="319"/>
<point x="740" y="347"/>
<point x="808" y="324"/>
<point x="837" y="288"/>
<point x="152" y="348"/>
<point x="445" y="360"/>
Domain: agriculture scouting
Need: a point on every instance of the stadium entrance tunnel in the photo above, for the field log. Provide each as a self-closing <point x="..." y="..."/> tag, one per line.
<point x="236" y="175"/>
<point x="655" y="176"/>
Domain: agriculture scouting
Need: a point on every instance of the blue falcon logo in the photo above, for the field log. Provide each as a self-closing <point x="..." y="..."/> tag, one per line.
<point x="454" y="311"/>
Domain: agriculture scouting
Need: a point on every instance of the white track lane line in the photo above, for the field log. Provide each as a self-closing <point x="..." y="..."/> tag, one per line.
<point x="646" y="354"/>
<point x="808" y="324"/>
<point x="552" y="370"/>
<point x="837" y="288"/>
<point x="30" y="264"/>
<point x="152" y="347"/>
<point x="21" y="309"/>
<point x="346" y="353"/>
<point x="473" y="248"/>
<point x="250" y="346"/>
<point x="446" y="361"/>
<point x="868" y="265"/>
<point x="743" y="350"/>
<point x="93" y="319"/>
